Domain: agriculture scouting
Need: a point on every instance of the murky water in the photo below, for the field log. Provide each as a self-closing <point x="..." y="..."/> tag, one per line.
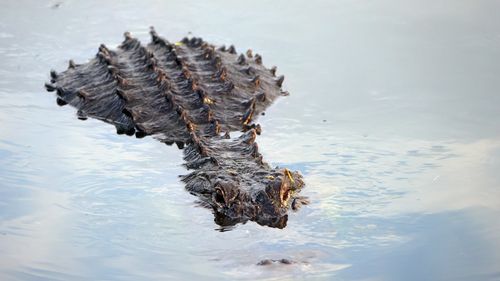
<point x="394" y="120"/>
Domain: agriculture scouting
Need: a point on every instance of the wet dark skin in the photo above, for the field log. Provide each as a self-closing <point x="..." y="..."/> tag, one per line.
<point x="194" y="95"/>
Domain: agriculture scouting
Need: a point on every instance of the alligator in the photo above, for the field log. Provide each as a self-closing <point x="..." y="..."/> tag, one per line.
<point x="193" y="94"/>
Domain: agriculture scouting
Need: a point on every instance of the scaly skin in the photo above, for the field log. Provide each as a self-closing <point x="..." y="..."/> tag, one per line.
<point x="191" y="93"/>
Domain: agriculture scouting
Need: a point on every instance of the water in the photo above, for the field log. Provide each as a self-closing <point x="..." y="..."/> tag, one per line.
<point x="393" y="120"/>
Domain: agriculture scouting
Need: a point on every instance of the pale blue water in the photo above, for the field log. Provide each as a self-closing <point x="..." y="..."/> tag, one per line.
<point x="393" y="118"/>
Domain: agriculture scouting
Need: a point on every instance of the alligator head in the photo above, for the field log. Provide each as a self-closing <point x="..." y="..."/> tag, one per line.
<point x="267" y="205"/>
<point x="239" y="186"/>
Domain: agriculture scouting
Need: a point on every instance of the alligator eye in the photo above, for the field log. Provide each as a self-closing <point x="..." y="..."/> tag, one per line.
<point x="219" y="197"/>
<point x="285" y="195"/>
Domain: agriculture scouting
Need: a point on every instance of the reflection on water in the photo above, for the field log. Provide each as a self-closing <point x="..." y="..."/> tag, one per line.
<point x="393" y="120"/>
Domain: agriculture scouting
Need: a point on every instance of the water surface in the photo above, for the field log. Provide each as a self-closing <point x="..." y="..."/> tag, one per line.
<point x="393" y="119"/>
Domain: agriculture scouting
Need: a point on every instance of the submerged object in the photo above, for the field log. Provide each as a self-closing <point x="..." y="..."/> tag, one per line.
<point x="192" y="94"/>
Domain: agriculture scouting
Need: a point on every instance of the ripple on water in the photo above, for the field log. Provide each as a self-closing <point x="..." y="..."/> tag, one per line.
<point x="80" y="203"/>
